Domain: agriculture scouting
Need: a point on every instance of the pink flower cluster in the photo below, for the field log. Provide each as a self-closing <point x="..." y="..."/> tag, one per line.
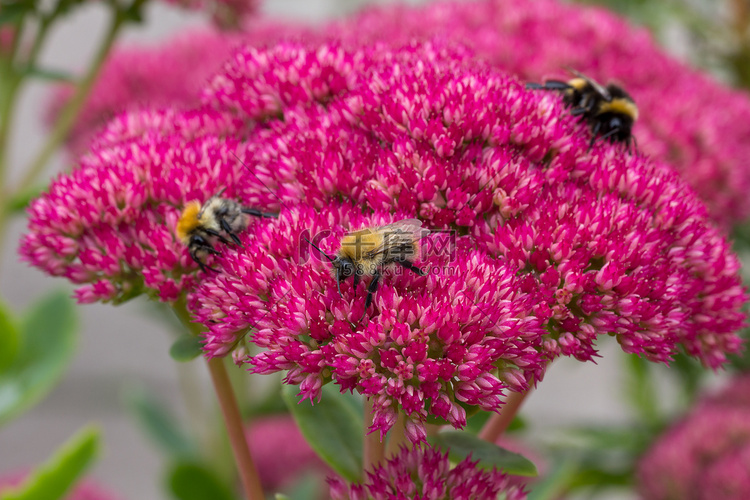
<point x="686" y="119"/>
<point x="424" y="473"/>
<point x="109" y="224"/>
<point x="706" y="455"/>
<point x="550" y="245"/>
<point x="146" y="77"/>
<point x="538" y="245"/>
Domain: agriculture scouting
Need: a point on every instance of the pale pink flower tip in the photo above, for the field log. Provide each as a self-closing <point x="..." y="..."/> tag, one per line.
<point x="706" y="455"/>
<point x="424" y="473"/>
<point x="538" y="245"/>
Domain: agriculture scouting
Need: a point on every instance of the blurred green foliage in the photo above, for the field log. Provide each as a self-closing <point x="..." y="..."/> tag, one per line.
<point x="54" y="479"/>
<point x="713" y="34"/>
<point x="332" y="427"/>
<point x="41" y="344"/>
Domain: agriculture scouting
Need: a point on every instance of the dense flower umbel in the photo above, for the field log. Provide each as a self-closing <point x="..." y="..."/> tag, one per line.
<point x="424" y="473"/>
<point x="706" y="455"/>
<point x="438" y="340"/>
<point x="686" y="119"/>
<point x="109" y="223"/>
<point x="553" y="245"/>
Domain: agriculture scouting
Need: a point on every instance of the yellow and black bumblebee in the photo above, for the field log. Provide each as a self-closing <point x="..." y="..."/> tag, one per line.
<point x="609" y="111"/>
<point x="200" y="226"/>
<point x="368" y="251"/>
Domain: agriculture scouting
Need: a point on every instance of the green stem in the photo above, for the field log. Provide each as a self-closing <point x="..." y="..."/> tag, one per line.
<point x="70" y="111"/>
<point x="41" y="36"/>
<point x="13" y="75"/>
<point x="374" y="448"/>
<point x="16" y="42"/>
<point x="230" y="411"/>
<point x="9" y="84"/>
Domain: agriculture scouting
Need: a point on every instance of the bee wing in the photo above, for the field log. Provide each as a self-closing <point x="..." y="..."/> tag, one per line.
<point x="399" y="234"/>
<point x="594" y="84"/>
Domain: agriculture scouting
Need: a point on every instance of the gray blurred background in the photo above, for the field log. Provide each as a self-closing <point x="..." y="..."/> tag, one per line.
<point x="126" y="346"/>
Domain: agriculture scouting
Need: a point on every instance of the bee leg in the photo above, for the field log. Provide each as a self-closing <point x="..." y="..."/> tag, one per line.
<point x="218" y="235"/>
<point x="228" y="229"/>
<point x="594" y="135"/>
<point x="370" y="291"/>
<point x="258" y="213"/>
<point x="201" y="264"/>
<point x="356" y="282"/>
<point x="411" y="267"/>
<point x="549" y="85"/>
<point x="610" y="133"/>
<point x="578" y="111"/>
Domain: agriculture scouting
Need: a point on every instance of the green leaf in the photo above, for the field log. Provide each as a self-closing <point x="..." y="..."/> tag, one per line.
<point x="54" y="478"/>
<point x="308" y="487"/>
<point x="48" y="339"/>
<point x="625" y="439"/>
<point x="186" y="348"/>
<point x="160" y="426"/>
<point x="53" y="75"/>
<point x="11" y="12"/>
<point x="640" y="388"/>
<point x="193" y="481"/>
<point x="474" y="424"/>
<point x="462" y="444"/>
<point x="20" y="201"/>
<point x="690" y="373"/>
<point x="9" y="337"/>
<point x="555" y="483"/>
<point x="600" y="478"/>
<point x="333" y="428"/>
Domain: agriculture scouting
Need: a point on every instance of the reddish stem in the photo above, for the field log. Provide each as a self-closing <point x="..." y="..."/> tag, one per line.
<point x="374" y="448"/>
<point x="499" y="422"/>
<point x="233" y="421"/>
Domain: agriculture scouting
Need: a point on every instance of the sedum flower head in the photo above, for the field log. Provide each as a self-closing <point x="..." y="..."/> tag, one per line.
<point x="686" y="119"/>
<point x="108" y="225"/>
<point x="538" y="245"/>
<point x="707" y="454"/>
<point x="426" y="474"/>
<point x="136" y="78"/>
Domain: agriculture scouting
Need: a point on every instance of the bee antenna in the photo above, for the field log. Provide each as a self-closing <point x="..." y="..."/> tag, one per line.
<point x="261" y="181"/>
<point x="321" y="251"/>
<point x="338" y="281"/>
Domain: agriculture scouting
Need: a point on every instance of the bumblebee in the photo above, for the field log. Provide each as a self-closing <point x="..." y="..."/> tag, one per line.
<point x="609" y="111"/>
<point x="199" y="227"/>
<point x="367" y="251"/>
